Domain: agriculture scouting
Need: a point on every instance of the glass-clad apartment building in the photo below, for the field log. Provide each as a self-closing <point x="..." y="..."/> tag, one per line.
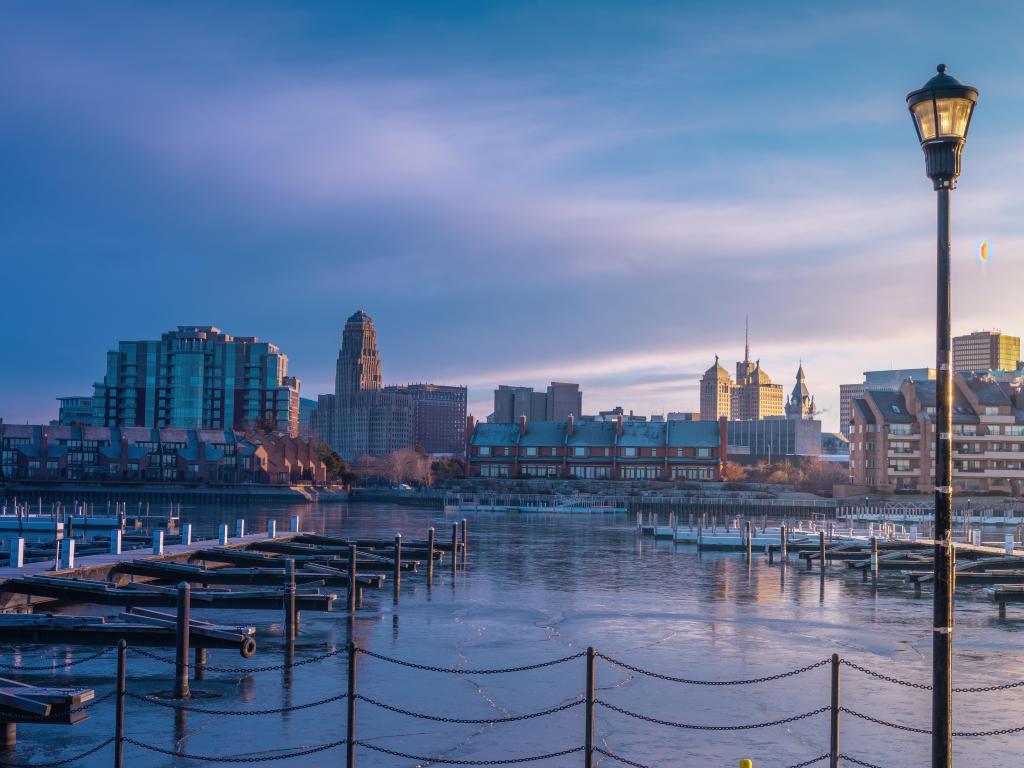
<point x="197" y="377"/>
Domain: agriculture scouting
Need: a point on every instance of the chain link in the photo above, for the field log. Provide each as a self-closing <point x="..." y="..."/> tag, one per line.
<point x="236" y="758"/>
<point x="235" y="712"/>
<point x="620" y="758"/>
<point x="812" y="761"/>
<point x="886" y="723"/>
<point x="65" y="761"/>
<point x="442" y="761"/>
<point x="467" y="721"/>
<point x="926" y="687"/>
<point x="695" y="727"/>
<point x="245" y="670"/>
<point x="49" y="667"/>
<point x="855" y="761"/>
<point x="450" y="671"/>
<point x="688" y="681"/>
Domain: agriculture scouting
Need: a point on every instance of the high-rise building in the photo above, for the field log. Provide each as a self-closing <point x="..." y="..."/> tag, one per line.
<point x="751" y="396"/>
<point x="197" y="377"/>
<point x="886" y="380"/>
<point x="561" y="400"/>
<point x="985" y="351"/>
<point x="74" y="410"/>
<point x="365" y="417"/>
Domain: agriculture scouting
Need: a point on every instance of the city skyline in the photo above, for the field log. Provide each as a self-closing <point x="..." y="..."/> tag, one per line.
<point x="445" y="163"/>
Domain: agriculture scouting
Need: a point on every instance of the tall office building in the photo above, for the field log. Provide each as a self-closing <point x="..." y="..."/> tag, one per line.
<point x="751" y="396"/>
<point x="197" y="377"/>
<point x="985" y="351"/>
<point x="364" y="417"/>
<point x="561" y="401"/>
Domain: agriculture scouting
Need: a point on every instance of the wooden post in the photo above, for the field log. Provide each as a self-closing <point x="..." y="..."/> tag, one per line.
<point x="199" y="663"/>
<point x="455" y="549"/>
<point x="465" y="540"/>
<point x="181" y="690"/>
<point x="588" y="752"/>
<point x="222" y="534"/>
<point x="271" y="529"/>
<point x="874" y="559"/>
<point x="186" y="534"/>
<point x="289" y="601"/>
<point x="750" y="543"/>
<point x="821" y="548"/>
<point x="158" y="542"/>
<point x="294" y="524"/>
<point x="122" y="658"/>
<point x="783" y="543"/>
<point x="350" y="738"/>
<point x="352" y="573"/>
<point x="240" y="528"/>
<point x="430" y="555"/>
<point x="398" y="565"/>
<point x="833" y="751"/>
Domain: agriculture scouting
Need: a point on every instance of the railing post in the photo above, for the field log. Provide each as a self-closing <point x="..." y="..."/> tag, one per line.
<point x="350" y="739"/>
<point x="181" y="690"/>
<point x="353" y="587"/>
<point x="833" y="749"/>
<point x="588" y="752"/>
<point x="122" y="657"/>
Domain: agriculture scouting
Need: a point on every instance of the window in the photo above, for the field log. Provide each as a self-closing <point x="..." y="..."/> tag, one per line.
<point x="991" y="410"/>
<point x="900" y="446"/>
<point x="899" y="429"/>
<point x="579" y="451"/>
<point x="899" y="465"/>
<point x="531" y="450"/>
<point x="1016" y="430"/>
<point x="494" y="470"/>
<point x="483" y="450"/>
<point x="629" y="451"/>
<point x="554" y="451"/>
<point x="703" y="453"/>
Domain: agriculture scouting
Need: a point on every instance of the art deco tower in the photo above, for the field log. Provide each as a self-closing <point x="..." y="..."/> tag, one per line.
<point x="358" y="368"/>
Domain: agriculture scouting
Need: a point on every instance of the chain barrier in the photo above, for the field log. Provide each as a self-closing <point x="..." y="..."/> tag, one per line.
<point x="442" y="761"/>
<point x="234" y="758"/>
<point x="696" y="727"/>
<point x="65" y="761"/>
<point x="451" y="671"/>
<point x="234" y="712"/>
<point x="688" y="681"/>
<point x="812" y="761"/>
<point x="855" y="761"/>
<point x="886" y="723"/>
<point x="620" y="758"/>
<point x="245" y="670"/>
<point x="468" y="721"/>
<point x="55" y="665"/>
<point x="927" y="687"/>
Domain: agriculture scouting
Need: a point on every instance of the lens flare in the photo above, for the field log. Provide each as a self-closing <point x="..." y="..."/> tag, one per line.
<point x="983" y="252"/>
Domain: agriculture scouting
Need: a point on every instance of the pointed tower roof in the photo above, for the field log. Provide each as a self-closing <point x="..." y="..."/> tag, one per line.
<point x="717" y="371"/>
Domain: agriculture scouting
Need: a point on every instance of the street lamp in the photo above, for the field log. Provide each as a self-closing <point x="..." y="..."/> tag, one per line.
<point x="942" y="112"/>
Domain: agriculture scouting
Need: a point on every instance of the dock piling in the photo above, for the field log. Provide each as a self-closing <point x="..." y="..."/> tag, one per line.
<point x="821" y="548"/>
<point x="222" y="534"/>
<point x="67" y="554"/>
<point x="430" y="556"/>
<point x="750" y="543"/>
<point x="289" y="601"/>
<point x="783" y="543"/>
<point x="465" y="540"/>
<point x="271" y="529"/>
<point x="294" y="524"/>
<point x="398" y="565"/>
<point x="181" y="690"/>
<point x="186" y="534"/>
<point x="18" y="553"/>
<point x="239" y="528"/>
<point x="352" y="586"/>
<point x="874" y="560"/>
<point x="158" y="542"/>
<point x="1008" y="543"/>
<point x="455" y="549"/>
<point x="199" y="662"/>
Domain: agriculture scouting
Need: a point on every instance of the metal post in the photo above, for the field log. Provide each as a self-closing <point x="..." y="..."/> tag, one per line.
<point x="222" y="534"/>
<point x="240" y="528"/>
<point x="289" y="601"/>
<point x="181" y="690"/>
<point x="588" y="752"/>
<point x="271" y="529"/>
<point x="942" y="635"/>
<point x="750" y="543"/>
<point x="465" y="540"/>
<point x="294" y="525"/>
<point x="833" y="750"/>
<point x="352" y="586"/>
<point x="784" y="543"/>
<point x="430" y="555"/>
<point x="398" y="565"/>
<point x="874" y="559"/>
<point x="186" y="534"/>
<point x="350" y="738"/>
<point x="18" y="553"/>
<point x="821" y="548"/>
<point x="122" y="658"/>
<point x="199" y="662"/>
<point x="158" y="542"/>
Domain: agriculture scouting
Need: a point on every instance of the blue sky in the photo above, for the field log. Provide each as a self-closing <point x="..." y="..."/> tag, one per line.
<point x="516" y="192"/>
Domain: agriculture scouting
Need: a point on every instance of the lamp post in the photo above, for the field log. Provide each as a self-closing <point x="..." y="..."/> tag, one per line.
<point x="942" y="113"/>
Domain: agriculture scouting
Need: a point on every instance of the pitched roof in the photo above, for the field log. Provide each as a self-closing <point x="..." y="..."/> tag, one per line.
<point x="643" y="433"/>
<point x="696" y="434"/>
<point x="891" y="405"/>
<point x="544" y="433"/>
<point x="495" y="434"/>
<point x="595" y="433"/>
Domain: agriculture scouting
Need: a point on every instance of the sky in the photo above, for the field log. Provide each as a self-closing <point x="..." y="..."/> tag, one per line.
<point x="516" y="192"/>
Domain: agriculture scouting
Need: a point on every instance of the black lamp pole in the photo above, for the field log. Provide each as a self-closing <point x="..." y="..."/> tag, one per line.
<point x="942" y="113"/>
